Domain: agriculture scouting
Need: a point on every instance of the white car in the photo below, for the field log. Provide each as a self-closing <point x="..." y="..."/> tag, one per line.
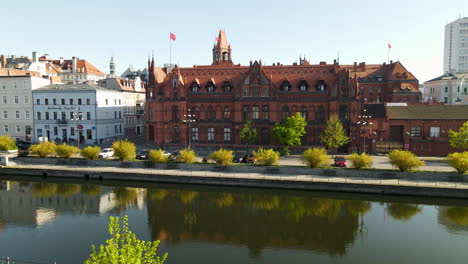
<point x="106" y="153"/>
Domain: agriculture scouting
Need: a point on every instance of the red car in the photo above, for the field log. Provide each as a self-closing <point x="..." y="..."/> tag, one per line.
<point x="340" y="161"/>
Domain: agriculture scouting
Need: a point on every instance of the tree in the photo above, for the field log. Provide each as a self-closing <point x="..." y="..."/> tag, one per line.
<point x="248" y="134"/>
<point x="7" y="143"/>
<point x="125" y="248"/>
<point x="290" y="132"/>
<point x="459" y="139"/>
<point x="124" y="150"/>
<point x="334" y="135"/>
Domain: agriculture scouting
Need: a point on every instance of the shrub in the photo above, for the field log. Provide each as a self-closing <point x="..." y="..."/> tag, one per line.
<point x="91" y="153"/>
<point x="66" y="151"/>
<point x="459" y="161"/>
<point x="187" y="156"/>
<point x="221" y="156"/>
<point x="43" y="149"/>
<point x="124" y="150"/>
<point x="315" y="157"/>
<point x="157" y="156"/>
<point x="404" y="160"/>
<point x="7" y="143"/>
<point x="360" y="161"/>
<point x="266" y="157"/>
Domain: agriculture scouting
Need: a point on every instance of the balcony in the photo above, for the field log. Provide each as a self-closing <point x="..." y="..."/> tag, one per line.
<point x="61" y="122"/>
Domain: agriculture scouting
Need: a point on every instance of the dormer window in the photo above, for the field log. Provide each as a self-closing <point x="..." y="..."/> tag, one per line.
<point x="175" y="83"/>
<point x="227" y="86"/>
<point x="321" y="86"/>
<point x="210" y="87"/>
<point x="194" y="87"/>
<point x="285" y="86"/>
<point x="303" y="86"/>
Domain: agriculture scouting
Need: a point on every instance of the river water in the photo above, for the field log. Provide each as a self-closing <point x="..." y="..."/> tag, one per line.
<point x="47" y="221"/>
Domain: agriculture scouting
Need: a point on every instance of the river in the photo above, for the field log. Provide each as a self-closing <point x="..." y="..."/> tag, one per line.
<point x="58" y="221"/>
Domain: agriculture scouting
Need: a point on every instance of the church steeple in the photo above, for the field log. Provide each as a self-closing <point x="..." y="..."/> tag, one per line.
<point x="222" y="50"/>
<point x="112" y="67"/>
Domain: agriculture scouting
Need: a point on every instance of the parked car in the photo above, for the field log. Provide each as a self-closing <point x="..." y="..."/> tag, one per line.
<point x="249" y="158"/>
<point x="238" y="157"/>
<point x="340" y="161"/>
<point x="106" y="153"/>
<point x="142" y="155"/>
<point x="173" y="156"/>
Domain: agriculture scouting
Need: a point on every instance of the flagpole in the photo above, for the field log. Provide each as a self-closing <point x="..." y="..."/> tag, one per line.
<point x="388" y="52"/>
<point x="170" y="51"/>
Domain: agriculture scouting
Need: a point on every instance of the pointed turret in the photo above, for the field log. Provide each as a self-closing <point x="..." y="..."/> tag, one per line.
<point x="112" y="67"/>
<point x="222" y="50"/>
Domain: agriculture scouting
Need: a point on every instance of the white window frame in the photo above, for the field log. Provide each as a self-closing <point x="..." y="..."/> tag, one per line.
<point x="435" y="131"/>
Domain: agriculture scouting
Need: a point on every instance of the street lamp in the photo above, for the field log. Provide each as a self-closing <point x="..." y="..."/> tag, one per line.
<point x="189" y="119"/>
<point x="78" y="116"/>
<point x="364" y="122"/>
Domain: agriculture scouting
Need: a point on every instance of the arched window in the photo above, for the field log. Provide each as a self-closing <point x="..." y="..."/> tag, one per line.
<point x="194" y="87"/>
<point x="303" y="86"/>
<point x="227" y="86"/>
<point x="285" y="86"/>
<point x="225" y="56"/>
<point x="285" y="112"/>
<point x="321" y="86"/>
<point x="210" y="87"/>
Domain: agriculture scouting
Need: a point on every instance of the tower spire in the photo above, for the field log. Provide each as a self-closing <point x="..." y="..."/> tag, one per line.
<point x="222" y="50"/>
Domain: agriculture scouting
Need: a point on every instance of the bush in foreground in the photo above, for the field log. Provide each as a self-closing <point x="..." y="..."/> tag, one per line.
<point x="360" y="161"/>
<point x="124" y="150"/>
<point x="66" y="151"/>
<point x="222" y="156"/>
<point x="404" y="160"/>
<point x="43" y="149"/>
<point x="157" y="156"/>
<point x="315" y="157"/>
<point x="91" y="153"/>
<point x="459" y="161"/>
<point x="187" y="156"/>
<point x="7" y="143"/>
<point x="266" y="157"/>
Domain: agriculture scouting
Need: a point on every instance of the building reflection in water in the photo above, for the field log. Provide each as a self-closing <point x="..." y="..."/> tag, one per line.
<point x="255" y="219"/>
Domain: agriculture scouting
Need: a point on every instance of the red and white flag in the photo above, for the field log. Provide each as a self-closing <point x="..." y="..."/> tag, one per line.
<point x="389" y="46"/>
<point x="217" y="39"/>
<point x="172" y="36"/>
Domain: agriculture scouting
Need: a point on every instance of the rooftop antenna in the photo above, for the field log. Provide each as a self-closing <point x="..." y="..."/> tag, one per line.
<point x="338" y="59"/>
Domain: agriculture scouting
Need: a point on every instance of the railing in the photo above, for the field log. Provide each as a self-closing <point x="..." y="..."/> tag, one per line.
<point x="62" y="122"/>
<point x="9" y="260"/>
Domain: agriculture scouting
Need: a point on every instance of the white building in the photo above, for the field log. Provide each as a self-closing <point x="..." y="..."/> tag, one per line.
<point x="456" y="46"/>
<point x="448" y="88"/>
<point x="134" y="103"/>
<point x="75" y="70"/>
<point x="66" y="112"/>
<point x="16" y="108"/>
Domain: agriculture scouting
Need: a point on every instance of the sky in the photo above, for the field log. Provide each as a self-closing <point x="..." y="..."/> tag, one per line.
<point x="271" y="31"/>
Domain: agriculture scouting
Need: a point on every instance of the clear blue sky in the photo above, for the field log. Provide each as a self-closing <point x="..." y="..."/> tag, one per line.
<point x="274" y="31"/>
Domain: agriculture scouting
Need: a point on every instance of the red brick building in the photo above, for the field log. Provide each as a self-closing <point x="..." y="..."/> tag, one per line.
<point x="224" y="95"/>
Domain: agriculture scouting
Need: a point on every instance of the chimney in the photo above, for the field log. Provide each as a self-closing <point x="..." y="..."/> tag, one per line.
<point x="355" y="66"/>
<point x="323" y="63"/>
<point x="74" y="62"/>
<point x="34" y="56"/>
<point x="362" y="65"/>
<point x="61" y="60"/>
<point x="391" y="62"/>
<point x="3" y="61"/>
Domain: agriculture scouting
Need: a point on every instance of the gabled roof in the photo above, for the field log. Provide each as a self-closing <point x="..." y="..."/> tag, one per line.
<point x="82" y="66"/>
<point x="427" y="111"/>
<point x="450" y="76"/>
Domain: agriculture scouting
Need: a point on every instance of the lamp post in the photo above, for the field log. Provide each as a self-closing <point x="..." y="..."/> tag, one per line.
<point x="77" y="116"/>
<point x="363" y="123"/>
<point x="189" y="119"/>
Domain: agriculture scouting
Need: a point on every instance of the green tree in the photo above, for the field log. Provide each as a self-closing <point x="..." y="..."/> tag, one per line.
<point x="7" y="143"/>
<point x="125" y="248"/>
<point x="334" y="134"/>
<point x="290" y="132"/>
<point x="248" y="134"/>
<point x="459" y="139"/>
<point x="124" y="150"/>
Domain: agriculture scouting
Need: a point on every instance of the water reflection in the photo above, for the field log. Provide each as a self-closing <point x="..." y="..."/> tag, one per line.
<point x="402" y="212"/>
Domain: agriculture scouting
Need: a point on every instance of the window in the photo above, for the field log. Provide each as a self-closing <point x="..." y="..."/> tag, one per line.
<point x="151" y="114"/>
<point x="246" y="91"/>
<point x="116" y="129"/>
<point x="321" y="114"/>
<point x="175" y="83"/>
<point x="265" y="112"/>
<point x="39" y="132"/>
<point x="4" y="85"/>
<point x="115" y="114"/>
<point x="379" y="90"/>
<point x="194" y="87"/>
<point x="175" y="134"/>
<point x="55" y="115"/>
<point x="27" y="114"/>
<point x="446" y="89"/>
<point x="210" y="87"/>
<point x="321" y="86"/>
<point x="361" y="90"/>
<point x="46" y="115"/>
<point x="303" y="86"/>
<point x="88" y="115"/>
<point x="120" y="101"/>
<point x="285" y="112"/>
<point x="245" y="113"/>
<point x="72" y="131"/>
<point x="38" y="101"/>
<point x="226" y="113"/>
<point x="227" y="86"/>
<point x="435" y="131"/>
<point x="255" y="112"/>
<point x="79" y="101"/>
<point x="6" y="129"/>
<point x="285" y="86"/>
<point x="120" y="115"/>
<point x="16" y="99"/>
<point x="210" y="134"/>
<point x="89" y="134"/>
<point x="304" y="112"/>
<point x="26" y="99"/>
<point x="371" y="91"/>
<point x="255" y="91"/>
<point x="64" y="116"/>
<point x="5" y="99"/>
<point x="416" y="131"/>
<point x="265" y="92"/>
<point x="5" y="114"/>
<point x="18" y="129"/>
<point x="46" y="101"/>
<point x="55" y="131"/>
<point x="15" y="85"/>
<point x="39" y="116"/>
<point x="71" y="101"/>
<point x="71" y="115"/>
<point x="194" y="133"/>
<point x="88" y="101"/>
<point x="227" y="134"/>
<point x="107" y="101"/>
<point x="211" y="113"/>
<point x="446" y="100"/>
<point x="63" y="101"/>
